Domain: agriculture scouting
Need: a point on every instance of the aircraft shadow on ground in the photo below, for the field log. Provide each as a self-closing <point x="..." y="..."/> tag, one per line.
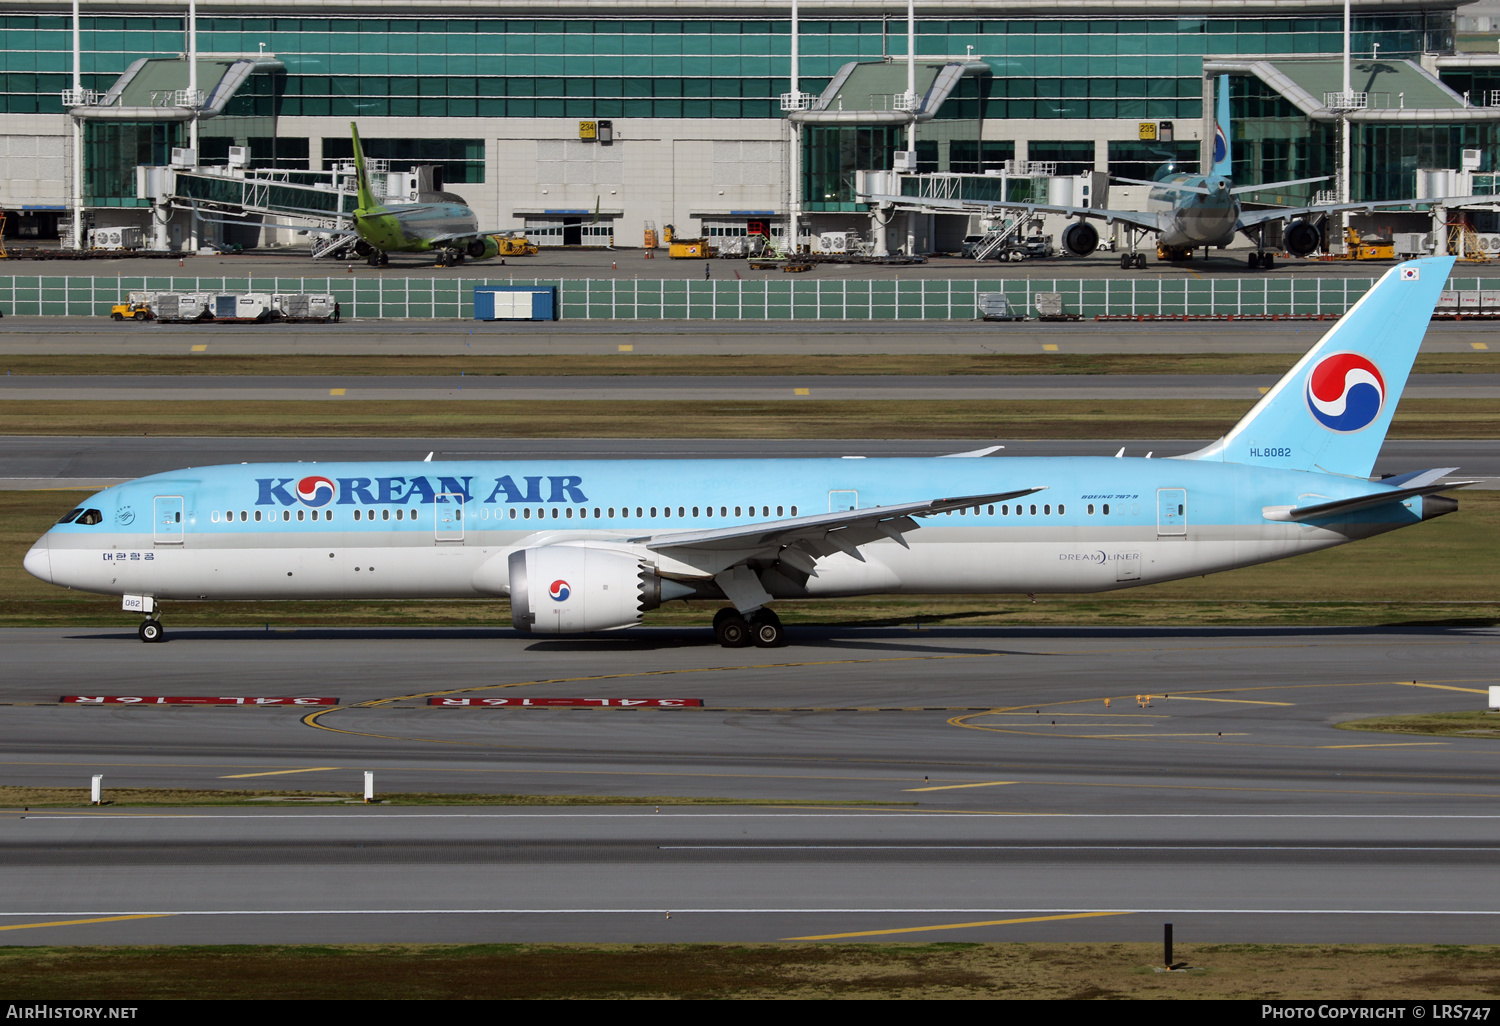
<point x="836" y="636"/>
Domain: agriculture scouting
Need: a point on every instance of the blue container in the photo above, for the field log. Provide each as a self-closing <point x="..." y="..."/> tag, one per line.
<point x="515" y="303"/>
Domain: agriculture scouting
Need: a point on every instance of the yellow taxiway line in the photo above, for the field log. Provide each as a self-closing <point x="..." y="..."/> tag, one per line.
<point x="958" y="926"/>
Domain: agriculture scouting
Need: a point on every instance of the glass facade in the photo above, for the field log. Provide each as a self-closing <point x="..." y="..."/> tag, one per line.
<point x="462" y="160"/>
<point x="603" y="68"/>
<point x="1274" y="141"/>
<point x="112" y="149"/>
<point x="1144" y="161"/>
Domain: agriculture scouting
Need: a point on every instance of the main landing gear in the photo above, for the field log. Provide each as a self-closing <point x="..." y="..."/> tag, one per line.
<point x="379" y="259"/>
<point x="1133" y="259"/>
<point x="761" y="628"/>
<point x="150" y="630"/>
<point x="1264" y="261"/>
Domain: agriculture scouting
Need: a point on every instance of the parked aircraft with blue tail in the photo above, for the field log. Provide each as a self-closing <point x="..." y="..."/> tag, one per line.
<point x="580" y="546"/>
<point x="1186" y="211"/>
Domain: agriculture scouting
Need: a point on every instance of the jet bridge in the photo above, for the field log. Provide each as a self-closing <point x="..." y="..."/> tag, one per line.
<point x="948" y="193"/>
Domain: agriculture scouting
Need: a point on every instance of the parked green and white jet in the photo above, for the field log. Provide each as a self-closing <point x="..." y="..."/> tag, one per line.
<point x="441" y="224"/>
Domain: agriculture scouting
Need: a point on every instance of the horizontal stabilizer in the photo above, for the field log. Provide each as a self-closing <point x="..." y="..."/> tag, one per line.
<point x="1338" y="507"/>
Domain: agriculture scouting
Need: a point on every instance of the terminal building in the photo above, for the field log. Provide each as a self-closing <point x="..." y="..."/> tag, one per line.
<point x="585" y="123"/>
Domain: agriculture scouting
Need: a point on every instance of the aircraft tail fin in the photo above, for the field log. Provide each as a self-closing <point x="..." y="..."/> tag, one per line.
<point x="367" y="201"/>
<point x="1223" y="154"/>
<point x="1331" y="411"/>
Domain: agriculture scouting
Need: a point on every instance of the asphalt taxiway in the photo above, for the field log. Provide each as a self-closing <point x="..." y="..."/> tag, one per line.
<point x="1008" y="792"/>
<point x="1161" y="388"/>
<point x="85" y="336"/>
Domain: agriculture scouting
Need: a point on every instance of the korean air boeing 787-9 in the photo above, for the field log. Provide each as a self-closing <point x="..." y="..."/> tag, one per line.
<point x="581" y="546"/>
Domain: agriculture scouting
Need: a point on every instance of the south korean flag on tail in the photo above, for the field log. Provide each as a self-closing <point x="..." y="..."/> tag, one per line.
<point x="1411" y="274"/>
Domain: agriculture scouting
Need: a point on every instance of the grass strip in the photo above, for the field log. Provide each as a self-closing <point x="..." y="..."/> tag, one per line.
<point x="633" y="364"/>
<point x="1455" y="724"/>
<point x="74" y="797"/>
<point x="1440" y="573"/>
<point x="1076" y="971"/>
<point x="789" y="418"/>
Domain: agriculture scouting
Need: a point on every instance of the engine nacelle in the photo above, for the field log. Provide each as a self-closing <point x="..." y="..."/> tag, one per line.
<point x="1080" y="238"/>
<point x="569" y="589"/>
<point x="1301" y="238"/>
<point x="483" y="248"/>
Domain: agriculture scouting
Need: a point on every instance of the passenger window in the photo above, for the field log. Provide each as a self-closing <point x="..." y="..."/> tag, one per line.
<point x="315" y="514"/>
<point x="723" y="511"/>
<point x="765" y="511"/>
<point x="794" y="511"/>
<point x="1061" y="510"/>
<point x="596" y="512"/>
<point x="526" y="513"/>
<point x="779" y="512"/>
<point x="1047" y="509"/>
<point x="1005" y="510"/>
<point x="411" y="515"/>
<point x="301" y="514"/>
<point x="1106" y="509"/>
<point x="257" y="516"/>
<point x="695" y="511"/>
<point x="554" y="512"/>
<point x="653" y="511"/>
<point x="399" y="513"/>
<point x="1033" y="509"/>
<point x="992" y="511"/>
<point x="385" y="514"/>
<point x="286" y="514"/>
<point x="356" y="514"/>
<point x="570" y="512"/>
<point x="1091" y="509"/>
<point x="681" y="512"/>
<point x="666" y="511"/>
<point x="1179" y="509"/>
<point x="513" y="512"/>
<point x="176" y="517"/>
<point x="638" y="512"/>
<point x="244" y="516"/>
<point x="737" y="511"/>
<point x="214" y="516"/>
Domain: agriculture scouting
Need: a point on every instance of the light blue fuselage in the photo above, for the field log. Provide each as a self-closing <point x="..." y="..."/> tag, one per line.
<point x="407" y="530"/>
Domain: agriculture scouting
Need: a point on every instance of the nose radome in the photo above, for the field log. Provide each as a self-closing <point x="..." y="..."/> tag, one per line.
<point x="38" y="562"/>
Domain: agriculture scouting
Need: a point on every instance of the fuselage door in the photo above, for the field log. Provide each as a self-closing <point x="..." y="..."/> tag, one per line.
<point x="1171" y="512"/>
<point x="448" y="517"/>
<point x="166" y="522"/>
<point x="843" y="499"/>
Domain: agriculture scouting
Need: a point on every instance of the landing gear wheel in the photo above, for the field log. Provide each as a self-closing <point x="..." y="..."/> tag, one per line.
<point x="1268" y="261"/>
<point x="1253" y="261"/>
<point x="150" y="631"/>
<point x="1140" y="261"/>
<point x="374" y="259"/>
<point x="766" y="630"/>
<point x="730" y="629"/>
<point x="385" y="260"/>
<point x="1126" y="261"/>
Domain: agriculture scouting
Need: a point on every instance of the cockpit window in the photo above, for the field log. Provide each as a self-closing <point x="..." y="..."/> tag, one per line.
<point x="90" y="517"/>
<point x="70" y="516"/>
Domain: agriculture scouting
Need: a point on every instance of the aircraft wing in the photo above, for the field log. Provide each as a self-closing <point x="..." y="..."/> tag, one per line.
<point x="1137" y="218"/>
<point x="462" y="236"/>
<point x="802" y="541"/>
<point x="1252" y="218"/>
